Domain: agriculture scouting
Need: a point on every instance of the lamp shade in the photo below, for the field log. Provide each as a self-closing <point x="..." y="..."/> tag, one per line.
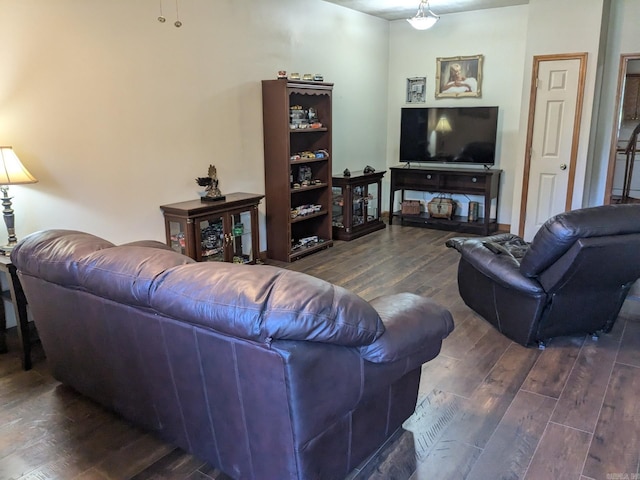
<point x="443" y="125"/>
<point x="12" y="172"/>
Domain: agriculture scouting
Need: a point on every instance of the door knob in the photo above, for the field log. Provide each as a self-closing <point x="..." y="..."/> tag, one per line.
<point x="563" y="166"/>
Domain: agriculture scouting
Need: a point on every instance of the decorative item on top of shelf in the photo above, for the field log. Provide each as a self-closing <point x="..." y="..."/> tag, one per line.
<point x="282" y="74"/>
<point x="410" y="207"/>
<point x="307" y="77"/>
<point x="238" y="229"/>
<point x="304" y="210"/>
<point x="459" y="76"/>
<point x="304" y="174"/>
<point x="306" y="242"/>
<point x="213" y="193"/>
<point x="318" y="78"/>
<point x="441" y="207"/>
<point x="213" y="239"/>
<point x="298" y="117"/>
<point x="294" y="76"/>
<point x="346" y="173"/>
<point x="474" y="207"/>
<point x="368" y="169"/>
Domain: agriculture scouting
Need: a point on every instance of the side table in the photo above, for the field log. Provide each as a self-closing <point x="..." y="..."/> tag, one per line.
<point x="19" y="301"/>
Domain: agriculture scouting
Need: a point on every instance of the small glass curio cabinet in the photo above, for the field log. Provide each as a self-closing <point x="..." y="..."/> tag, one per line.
<point x="215" y="231"/>
<point x="356" y="204"/>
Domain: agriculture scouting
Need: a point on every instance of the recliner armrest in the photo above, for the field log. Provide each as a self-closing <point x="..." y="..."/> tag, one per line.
<point x="414" y="329"/>
<point x="458" y="242"/>
<point x="501" y="268"/>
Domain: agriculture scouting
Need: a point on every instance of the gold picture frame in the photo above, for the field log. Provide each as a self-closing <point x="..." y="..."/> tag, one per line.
<point x="459" y="76"/>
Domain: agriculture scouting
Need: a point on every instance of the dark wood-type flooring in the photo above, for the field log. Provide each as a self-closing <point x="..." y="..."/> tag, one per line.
<point x="488" y="408"/>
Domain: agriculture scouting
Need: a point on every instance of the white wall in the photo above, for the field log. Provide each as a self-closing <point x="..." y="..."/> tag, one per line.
<point x="499" y="34"/>
<point x="116" y="113"/>
<point x="561" y="27"/>
<point x="623" y="38"/>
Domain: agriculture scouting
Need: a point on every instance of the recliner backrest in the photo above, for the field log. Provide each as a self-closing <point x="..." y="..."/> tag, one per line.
<point x="595" y="264"/>
<point x="558" y="234"/>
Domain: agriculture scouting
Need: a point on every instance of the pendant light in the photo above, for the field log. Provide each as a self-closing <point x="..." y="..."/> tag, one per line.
<point x="423" y="20"/>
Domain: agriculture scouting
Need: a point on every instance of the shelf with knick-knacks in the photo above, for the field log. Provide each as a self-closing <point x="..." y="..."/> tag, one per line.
<point x="356" y="204"/>
<point x="221" y="231"/>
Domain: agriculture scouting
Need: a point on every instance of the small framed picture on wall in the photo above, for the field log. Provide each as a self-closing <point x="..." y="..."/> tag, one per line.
<point x="459" y="76"/>
<point x="416" y="88"/>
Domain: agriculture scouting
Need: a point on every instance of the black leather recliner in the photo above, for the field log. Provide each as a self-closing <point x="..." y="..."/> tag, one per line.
<point x="571" y="279"/>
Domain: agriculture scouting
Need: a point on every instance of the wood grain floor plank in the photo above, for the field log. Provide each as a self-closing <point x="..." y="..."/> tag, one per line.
<point x="91" y="474"/>
<point x="471" y="370"/>
<point x="49" y="431"/>
<point x="131" y="459"/>
<point x="560" y="455"/>
<point x="176" y="464"/>
<point x="434" y="372"/>
<point x="451" y="460"/>
<point x="550" y="373"/>
<point x="466" y="334"/>
<point x="580" y="400"/>
<point x="432" y="417"/>
<point x="509" y="451"/>
<point x="616" y="443"/>
<point x="397" y="461"/>
<point x="485" y="409"/>
<point x="629" y="352"/>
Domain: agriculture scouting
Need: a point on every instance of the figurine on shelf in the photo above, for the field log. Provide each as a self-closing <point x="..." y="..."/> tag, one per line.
<point x="368" y="169"/>
<point x="213" y="193"/>
<point x="346" y="172"/>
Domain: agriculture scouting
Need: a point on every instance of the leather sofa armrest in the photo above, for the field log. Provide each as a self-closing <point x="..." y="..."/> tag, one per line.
<point x="414" y="329"/>
<point x="502" y="268"/>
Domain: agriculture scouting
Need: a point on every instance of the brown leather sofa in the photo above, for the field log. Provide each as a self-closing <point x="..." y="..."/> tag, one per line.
<point x="571" y="279"/>
<point x="263" y="372"/>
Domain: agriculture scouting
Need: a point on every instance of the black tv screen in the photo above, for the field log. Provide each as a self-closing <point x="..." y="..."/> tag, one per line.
<point x="464" y="135"/>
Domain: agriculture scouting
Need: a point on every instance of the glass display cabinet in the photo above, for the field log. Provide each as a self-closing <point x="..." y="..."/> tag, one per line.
<point x="356" y="204"/>
<point x="215" y="231"/>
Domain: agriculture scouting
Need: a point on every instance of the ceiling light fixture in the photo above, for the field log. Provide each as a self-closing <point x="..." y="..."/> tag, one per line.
<point x="423" y="20"/>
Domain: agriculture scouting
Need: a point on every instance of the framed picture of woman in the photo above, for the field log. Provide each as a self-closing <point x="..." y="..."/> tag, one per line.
<point x="459" y="76"/>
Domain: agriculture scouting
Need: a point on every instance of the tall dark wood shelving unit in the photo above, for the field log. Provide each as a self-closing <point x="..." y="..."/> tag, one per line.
<point x="285" y="228"/>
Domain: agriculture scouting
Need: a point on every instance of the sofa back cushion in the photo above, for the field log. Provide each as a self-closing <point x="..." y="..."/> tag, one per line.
<point x="559" y="233"/>
<point x="255" y="302"/>
<point x="53" y="254"/>
<point x="263" y="303"/>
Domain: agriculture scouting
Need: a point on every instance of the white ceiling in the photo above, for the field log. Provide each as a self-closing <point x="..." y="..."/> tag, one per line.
<point x="399" y="9"/>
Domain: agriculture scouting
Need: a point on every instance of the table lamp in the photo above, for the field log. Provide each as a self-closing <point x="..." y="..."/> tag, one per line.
<point x="12" y="172"/>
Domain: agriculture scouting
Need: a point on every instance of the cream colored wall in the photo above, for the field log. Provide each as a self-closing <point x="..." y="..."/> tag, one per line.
<point x="499" y="35"/>
<point x="116" y="113"/>
<point x="622" y="38"/>
<point x="571" y="28"/>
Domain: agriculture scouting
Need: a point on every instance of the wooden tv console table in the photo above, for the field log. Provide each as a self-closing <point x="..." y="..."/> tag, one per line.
<point x="447" y="180"/>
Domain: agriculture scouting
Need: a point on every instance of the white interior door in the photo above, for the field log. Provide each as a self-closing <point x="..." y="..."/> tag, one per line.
<point x="552" y="148"/>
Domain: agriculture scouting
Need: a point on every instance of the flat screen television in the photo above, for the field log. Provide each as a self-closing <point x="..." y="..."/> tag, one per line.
<point x="465" y="135"/>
